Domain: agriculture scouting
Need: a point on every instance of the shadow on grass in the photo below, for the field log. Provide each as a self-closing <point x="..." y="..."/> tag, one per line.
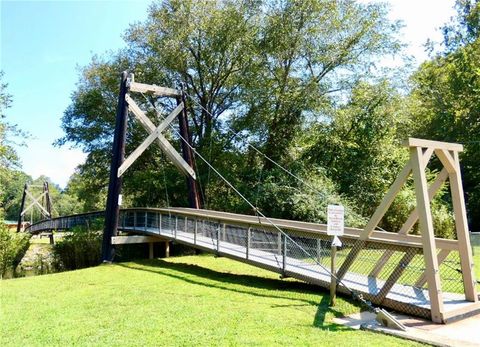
<point x="218" y="280"/>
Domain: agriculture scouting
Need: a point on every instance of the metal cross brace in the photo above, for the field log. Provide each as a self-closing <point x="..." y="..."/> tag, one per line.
<point x="35" y="202"/>
<point x="155" y="133"/>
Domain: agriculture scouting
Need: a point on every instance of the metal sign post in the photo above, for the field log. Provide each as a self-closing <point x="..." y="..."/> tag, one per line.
<point x="335" y="225"/>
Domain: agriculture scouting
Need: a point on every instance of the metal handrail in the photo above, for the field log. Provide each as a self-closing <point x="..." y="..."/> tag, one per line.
<point x="293" y="227"/>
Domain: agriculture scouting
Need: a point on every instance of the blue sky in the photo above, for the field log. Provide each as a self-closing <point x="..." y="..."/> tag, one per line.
<point x="44" y="42"/>
<point x="42" y="45"/>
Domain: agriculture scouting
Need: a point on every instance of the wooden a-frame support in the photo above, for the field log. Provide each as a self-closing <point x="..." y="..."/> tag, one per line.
<point x="42" y="202"/>
<point x="119" y="164"/>
<point x="420" y="154"/>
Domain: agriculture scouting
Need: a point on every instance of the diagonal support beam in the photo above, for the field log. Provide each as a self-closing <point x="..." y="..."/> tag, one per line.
<point x="432" y="190"/>
<point x="446" y="159"/>
<point x="412" y="219"/>
<point x="166" y="147"/>
<point x="395" y="275"/>
<point x="377" y="216"/>
<point x="148" y="141"/>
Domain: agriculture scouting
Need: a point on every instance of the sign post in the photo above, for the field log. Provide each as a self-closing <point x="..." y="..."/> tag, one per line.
<point x="335" y="225"/>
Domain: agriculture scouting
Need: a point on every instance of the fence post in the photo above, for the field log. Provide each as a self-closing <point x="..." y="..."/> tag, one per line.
<point x="333" y="274"/>
<point x="279" y="243"/>
<point x="284" y="260"/>
<point x="249" y="237"/>
<point x="176" y="225"/>
<point x="218" y="237"/>
<point x="319" y="250"/>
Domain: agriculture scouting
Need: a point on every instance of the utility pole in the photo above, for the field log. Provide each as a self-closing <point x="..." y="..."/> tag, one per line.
<point x="115" y="184"/>
<point x="194" y="199"/>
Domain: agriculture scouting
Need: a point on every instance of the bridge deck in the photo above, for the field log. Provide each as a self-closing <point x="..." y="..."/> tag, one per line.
<point x="309" y="272"/>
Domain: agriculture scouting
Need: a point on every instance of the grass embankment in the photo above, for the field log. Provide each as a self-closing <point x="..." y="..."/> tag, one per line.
<point x="195" y="300"/>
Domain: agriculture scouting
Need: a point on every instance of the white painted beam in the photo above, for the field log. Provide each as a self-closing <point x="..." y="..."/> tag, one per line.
<point x="124" y="240"/>
<point x="156" y="90"/>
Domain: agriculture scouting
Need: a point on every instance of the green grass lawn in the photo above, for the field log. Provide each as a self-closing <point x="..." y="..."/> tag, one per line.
<point x="183" y="301"/>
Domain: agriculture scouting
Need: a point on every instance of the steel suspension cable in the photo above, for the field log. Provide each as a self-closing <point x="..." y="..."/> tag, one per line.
<point x="356" y="296"/>
<point x="236" y="134"/>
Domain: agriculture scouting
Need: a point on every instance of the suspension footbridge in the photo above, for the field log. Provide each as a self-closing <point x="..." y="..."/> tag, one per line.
<point x="420" y="275"/>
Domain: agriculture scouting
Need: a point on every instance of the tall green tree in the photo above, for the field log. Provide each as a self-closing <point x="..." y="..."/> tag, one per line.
<point x="309" y="52"/>
<point x="359" y="143"/>
<point x="9" y="161"/>
<point x="262" y="67"/>
<point x="445" y="98"/>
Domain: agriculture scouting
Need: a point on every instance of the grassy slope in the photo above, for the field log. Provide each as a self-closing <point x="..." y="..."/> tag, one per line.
<point x="197" y="300"/>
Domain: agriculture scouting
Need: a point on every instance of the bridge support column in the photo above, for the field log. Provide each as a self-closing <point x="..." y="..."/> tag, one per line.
<point x="167" y="249"/>
<point x="115" y="183"/>
<point x="194" y="198"/>
<point x="150" y="250"/>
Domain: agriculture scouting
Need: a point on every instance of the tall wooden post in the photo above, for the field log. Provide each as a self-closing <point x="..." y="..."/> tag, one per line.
<point x="22" y="206"/>
<point x="194" y="199"/>
<point x="115" y="183"/>
<point x="428" y="238"/>
<point x="461" y="225"/>
<point x="48" y="204"/>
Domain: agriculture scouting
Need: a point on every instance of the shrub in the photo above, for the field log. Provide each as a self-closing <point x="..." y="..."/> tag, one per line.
<point x="12" y="248"/>
<point x="405" y="202"/>
<point x="79" y="249"/>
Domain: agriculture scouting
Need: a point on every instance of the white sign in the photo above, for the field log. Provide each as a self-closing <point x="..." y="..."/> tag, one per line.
<point x="335" y="220"/>
<point x="120" y="199"/>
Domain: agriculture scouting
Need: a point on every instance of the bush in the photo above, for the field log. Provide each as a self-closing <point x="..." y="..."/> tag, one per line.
<point x="79" y="249"/>
<point x="405" y="202"/>
<point x="12" y="248"/>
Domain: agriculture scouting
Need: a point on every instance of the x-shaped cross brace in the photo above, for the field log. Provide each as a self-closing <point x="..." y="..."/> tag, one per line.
<point x="155" y="134"/>
<point x="36" y="203"/>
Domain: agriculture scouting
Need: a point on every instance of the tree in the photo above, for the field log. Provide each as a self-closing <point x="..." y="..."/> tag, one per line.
<point x="445" y="98"/>
<point x="12" y="247"/>
<point x="309" y="51"/>
<point x="262" y="67"/>
<point x="8" y="156"/>
<point x="464" y="28"/>
<point x="359" y="143"/>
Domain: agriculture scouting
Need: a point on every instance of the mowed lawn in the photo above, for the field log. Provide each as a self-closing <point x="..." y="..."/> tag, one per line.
<point x="182" y="301"/>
